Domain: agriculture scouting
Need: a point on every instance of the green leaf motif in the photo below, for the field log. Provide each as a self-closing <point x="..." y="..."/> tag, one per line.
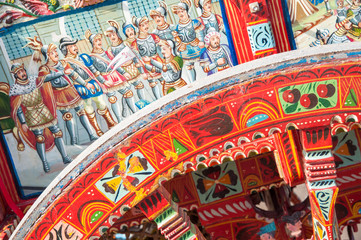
<point x="291" y="108"/>
<point x="324" y="102"/>
<point x="95" y="217"/>
<point x="284" y="89"/>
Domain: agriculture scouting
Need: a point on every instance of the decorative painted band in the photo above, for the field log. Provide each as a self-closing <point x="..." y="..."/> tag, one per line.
<point x="195" y="92"/>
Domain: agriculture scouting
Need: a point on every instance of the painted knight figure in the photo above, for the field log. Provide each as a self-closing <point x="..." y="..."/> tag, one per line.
<point x="91" y="90"/>
<point x="189" y="37"/>
<point x="170" y="67"/>
<point x="147" y="46"/>
<point x="133" y="66"/>
<point x="208" y="18"/>
<point x="114" y="80"/>
<point x="164" y="30"/>
<point x="62" y="78"/>
<point x="35" y="117"/>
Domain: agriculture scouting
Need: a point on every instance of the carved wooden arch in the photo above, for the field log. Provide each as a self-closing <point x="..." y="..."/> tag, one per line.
<point x="170" y="135"/>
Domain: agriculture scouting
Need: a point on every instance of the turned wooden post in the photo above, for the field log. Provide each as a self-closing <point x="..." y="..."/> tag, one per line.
<point x="320" y="172"/>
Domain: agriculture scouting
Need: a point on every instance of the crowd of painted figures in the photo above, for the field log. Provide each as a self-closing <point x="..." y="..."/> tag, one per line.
<point x="348" y="24"/>
<point x="79" y="79"/>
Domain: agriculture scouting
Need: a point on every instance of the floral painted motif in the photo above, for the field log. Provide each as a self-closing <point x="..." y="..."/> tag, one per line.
<point x="217" y="182"/>
<point x="126" y="176"/>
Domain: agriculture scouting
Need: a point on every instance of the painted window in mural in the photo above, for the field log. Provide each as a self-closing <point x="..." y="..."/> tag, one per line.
<point x="77" y="24"/>
<point x="321" y="22"/>
<point x="75" y="77"/>
<point x="17" y="40"/>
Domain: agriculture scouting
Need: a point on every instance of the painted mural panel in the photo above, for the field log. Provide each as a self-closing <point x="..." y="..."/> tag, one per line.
<point x="72" y="78"/>
<point x="321" y="22"/>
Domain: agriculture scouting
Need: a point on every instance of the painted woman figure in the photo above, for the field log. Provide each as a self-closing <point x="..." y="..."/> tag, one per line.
<point x="170" y="67"/>
<point x="189" y="37"/>
<point x="164" y="30"/>
<point x="209" y="19"/>
<point x="61" y="76"/>
<point x="115" y="79"/>
<point x="129" y="32"/>
<point x="133" y="66"/>
<point x="146" y="45"/>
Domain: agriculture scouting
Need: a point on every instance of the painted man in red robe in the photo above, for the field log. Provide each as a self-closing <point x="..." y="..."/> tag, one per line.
<point x="34" y="111"/>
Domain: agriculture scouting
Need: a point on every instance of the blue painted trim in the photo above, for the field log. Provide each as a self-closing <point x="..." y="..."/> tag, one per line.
<point x="353" y="54"/>
<point x="228" y="31"/>
<point x="286" y="14"/>
<point x="7" y="30"/>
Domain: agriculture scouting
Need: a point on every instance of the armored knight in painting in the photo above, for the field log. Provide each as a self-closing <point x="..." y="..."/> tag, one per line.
<point x="189" y="37"/>
<point x="208" y="18"/>
<point x="170" y="67"/>
<point x="34" y="111"/>
<point x="217" y="56"/>
<point x="132" y="66"/>
<point x="341" y="11"/>
<point x="164" y="30"/>
<point x="61" y="76"/>
<point x="91" y="90"/>
<point x="339" y="36"/>
<point x="354" y="15"/>
<point x="115" y="79"/>
<point x="146" y="45"/>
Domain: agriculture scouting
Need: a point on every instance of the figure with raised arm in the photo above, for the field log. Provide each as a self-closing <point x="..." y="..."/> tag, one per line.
<point x="62" y="77"/>
<point x="34" y="111"/>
